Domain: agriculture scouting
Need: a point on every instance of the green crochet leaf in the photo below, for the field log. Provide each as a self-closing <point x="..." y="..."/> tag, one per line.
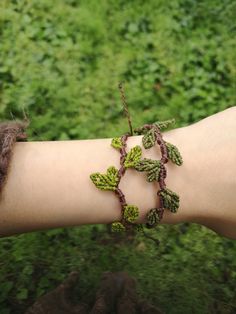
<point x="170" y="199"/>
<point x="140" y="130"/>
<point x="131" y="213"/>
<point x="138" y="227"/>
<point x="133" y="156"/>
<point x="151" y="166"/>
<point x="116" y="142"/>
<point x="164" y="124"/>
<point x="145" y="164"/>
<point x="117" y="227"/>
<point x="174" y="154"/>
<point x="153" y="175"/>
<point x="154" y="217"/>
<point x="149" y="139"/>
<point x="108" y="181"/>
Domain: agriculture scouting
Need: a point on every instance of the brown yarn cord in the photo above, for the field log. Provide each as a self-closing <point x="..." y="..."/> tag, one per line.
<point x="164" y="160"/>
<point x="121" y="172"/>
<point x="10" y="132"/>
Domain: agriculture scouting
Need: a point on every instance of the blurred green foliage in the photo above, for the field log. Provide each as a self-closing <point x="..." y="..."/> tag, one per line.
<point x="61" y="61"/>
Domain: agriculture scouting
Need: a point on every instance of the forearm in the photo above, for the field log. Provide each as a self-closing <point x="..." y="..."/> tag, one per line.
<point x="48" y="184"/>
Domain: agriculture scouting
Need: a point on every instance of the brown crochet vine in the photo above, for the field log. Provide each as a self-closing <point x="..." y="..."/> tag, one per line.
<point x="10" y="132"/>
<point x="155" y="215"/>
<point x="121" y="173"/>
<point x="127" y="220"/>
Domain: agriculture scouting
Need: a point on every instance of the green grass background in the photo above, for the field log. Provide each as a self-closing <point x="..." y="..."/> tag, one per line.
<point x="61" y="61"/>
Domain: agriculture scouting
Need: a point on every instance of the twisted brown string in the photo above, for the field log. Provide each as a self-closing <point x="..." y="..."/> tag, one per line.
<point x="121" y="173"/>
<point x="121" y="195"/>
<point x="125" y="107"/>
<point x="163" y="161"/>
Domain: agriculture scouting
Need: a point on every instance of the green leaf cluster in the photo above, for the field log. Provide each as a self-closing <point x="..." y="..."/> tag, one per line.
<point x="133" y="156"/>
<point x="138" y="228"/>
<point x="164" y="124"/>
<point x="116" y="142"/>
<point x="170" y="199"/>
<point x="152" y="167"/>
<point x="140" y="130"/>
<point x="153" y="217"/>
<point x="131" y="213"/>
<point x="107" y="181"/>
<point x="149" y="138"/>
<point x="117" y="227"/>
<point x="174" y="154"/>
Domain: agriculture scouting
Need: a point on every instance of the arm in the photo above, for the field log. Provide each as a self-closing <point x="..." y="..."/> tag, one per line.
<point x="48" y="183"/>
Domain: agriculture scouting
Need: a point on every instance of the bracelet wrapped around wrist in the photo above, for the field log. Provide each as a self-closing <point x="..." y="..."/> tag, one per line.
<point x="155" y="170"/>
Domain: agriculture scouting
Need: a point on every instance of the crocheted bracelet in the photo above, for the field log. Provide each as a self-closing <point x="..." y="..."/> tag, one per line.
<point x="155" y="170"/>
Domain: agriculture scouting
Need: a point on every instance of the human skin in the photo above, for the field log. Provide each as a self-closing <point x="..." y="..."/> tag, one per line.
<point x="48" y="183"/>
